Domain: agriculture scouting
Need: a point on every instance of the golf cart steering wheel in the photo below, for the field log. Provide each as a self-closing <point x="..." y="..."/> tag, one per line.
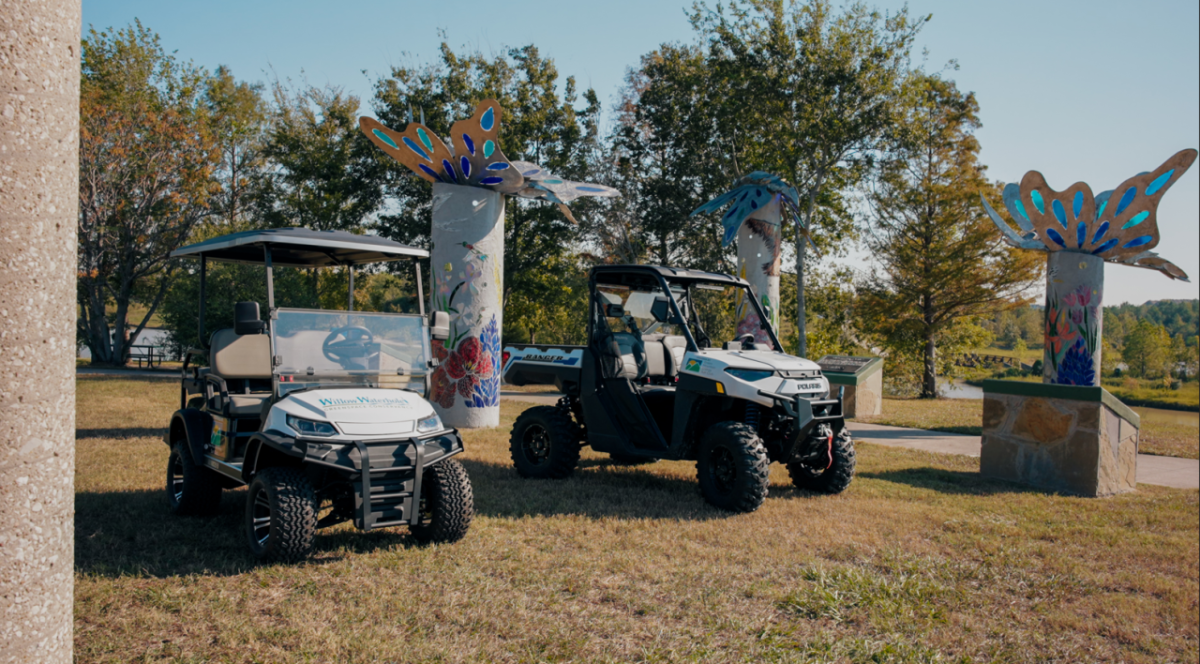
<point x="350" y="346"/>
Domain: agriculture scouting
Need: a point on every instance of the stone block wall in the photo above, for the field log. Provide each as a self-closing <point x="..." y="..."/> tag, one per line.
<point x="1077" y="440"/>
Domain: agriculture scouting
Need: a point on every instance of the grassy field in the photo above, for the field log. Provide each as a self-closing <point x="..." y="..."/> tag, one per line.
<point x="919" y="561"/>
<point x="966" y="416"/>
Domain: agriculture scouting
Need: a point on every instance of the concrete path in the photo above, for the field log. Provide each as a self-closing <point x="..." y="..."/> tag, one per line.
<point x="1157" y="470"/>
<point x="127" y="373"/>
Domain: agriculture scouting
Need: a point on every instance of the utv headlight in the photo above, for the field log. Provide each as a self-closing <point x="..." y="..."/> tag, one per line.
<point x="749" y="375"/>
<point x="310" y="428"/>
<point x="431" y="423"/>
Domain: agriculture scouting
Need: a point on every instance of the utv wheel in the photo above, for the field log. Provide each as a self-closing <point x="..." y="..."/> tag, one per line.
<point x="191" y="488"/>
<point x="732" y="467"/>
<point x="833" y="479"/>
<point x="544" y="444"/>
<point x="447" y="503"/>
<point x="631" y="459"/>
<point x="281" y="515"/>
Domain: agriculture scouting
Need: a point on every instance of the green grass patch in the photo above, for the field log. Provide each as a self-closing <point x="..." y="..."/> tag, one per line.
<point x="920" y="560"/>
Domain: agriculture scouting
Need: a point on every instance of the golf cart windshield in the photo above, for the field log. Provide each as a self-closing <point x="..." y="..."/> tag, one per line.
<point x="353" y="348"/>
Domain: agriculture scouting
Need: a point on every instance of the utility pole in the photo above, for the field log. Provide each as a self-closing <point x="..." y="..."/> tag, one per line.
<point x="39" y="208"/>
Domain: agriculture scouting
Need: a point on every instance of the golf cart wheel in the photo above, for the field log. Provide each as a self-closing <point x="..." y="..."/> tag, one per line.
<point x="447" y="504"/>
<point x="631" y="459"/>
<point x="833" y="479"/>
<point x="733" y="467"/>
<point x="281" y="515"/>
<point x="191" y="488"/>
<point x="544" y="444"/>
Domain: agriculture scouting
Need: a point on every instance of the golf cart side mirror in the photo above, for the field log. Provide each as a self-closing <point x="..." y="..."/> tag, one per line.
<point x="661" y="310"/>
<point x="246" y="320"/>
<point x="614" y="310"/>
<point x="439" y="326"/>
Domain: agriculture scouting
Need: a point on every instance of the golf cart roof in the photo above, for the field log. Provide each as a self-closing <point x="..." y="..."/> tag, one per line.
<point x="301" y="247"/>
<point x="615" y="274"/>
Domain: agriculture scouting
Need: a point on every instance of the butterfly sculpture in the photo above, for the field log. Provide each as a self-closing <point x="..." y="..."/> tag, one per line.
<point x="1119" y="226"/>
<point x="473" y="157"/>
<point x="749" y="194"/>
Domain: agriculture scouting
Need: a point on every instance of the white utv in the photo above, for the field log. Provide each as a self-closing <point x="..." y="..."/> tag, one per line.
<point x="652" y="383"/>
<point x="322" y="413"/>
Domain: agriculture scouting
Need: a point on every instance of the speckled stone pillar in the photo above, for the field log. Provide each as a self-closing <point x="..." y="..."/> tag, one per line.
<point x="1074" y="319"/>
<point x="759" y="244"/>
<point x="39" y="202"/>
<point x="467" y="261"/>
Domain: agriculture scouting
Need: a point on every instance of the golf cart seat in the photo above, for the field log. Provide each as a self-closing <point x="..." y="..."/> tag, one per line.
<point x="243" y="361"/>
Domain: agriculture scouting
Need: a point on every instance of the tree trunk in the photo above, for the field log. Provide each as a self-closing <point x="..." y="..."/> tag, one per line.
<point x="801" y="332"/>
<point x="929" y="372"/>
<point x="39" y="208"/>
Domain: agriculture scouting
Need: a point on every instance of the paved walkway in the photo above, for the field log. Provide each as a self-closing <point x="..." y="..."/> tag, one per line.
<point x="1157" y="470"/>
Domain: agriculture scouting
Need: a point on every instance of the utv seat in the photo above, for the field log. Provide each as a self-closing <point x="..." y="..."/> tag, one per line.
<point x="244" y="362"/>
<point x="633" y="356"/>
<point x="664" y="355"/>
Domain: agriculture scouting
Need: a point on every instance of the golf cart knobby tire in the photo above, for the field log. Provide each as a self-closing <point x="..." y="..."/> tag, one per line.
<point x="200" y="490"/>
<point x="552" y="448"/>
<point x="631" y="459"/>
<point x="737" y="448"/>
<point x="834" y="479"/>
<point x="293" y="506"/>
<point x="449" y="502"/>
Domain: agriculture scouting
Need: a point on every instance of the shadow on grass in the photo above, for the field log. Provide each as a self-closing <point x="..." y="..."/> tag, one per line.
<point x="122" y="432"/>
<point x="950" y="481"/>
<point x="597" y="489"/>
<point x="122" y="533"/>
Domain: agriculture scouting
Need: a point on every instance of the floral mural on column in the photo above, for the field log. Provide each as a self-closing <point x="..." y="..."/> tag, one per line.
<point x="468" y="366"/>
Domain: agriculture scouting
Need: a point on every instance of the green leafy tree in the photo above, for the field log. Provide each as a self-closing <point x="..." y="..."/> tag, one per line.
<point x="238" y="116"/>
<point x="940" y="260"/>
<point x="146" y="164"/>
<point x="1147" y="350"/>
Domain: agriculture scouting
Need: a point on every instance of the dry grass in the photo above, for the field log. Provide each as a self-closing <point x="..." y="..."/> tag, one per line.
<point x="919" y="561"/>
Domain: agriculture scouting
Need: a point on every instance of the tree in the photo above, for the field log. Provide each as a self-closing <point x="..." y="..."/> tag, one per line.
<point x="1147" y="349"/>
<point x="147" y="158"/>
<point x="817" y="91"/>
<point x="238" y="116"/>
<point x="940" y="260"/>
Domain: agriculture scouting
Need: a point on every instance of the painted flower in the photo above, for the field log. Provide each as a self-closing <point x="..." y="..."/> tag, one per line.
<point x="468" y="365"/>
<point x="1084" y="296"/>
<point x="1077" y="367"/>
<point x="1077" y="316"/>
<point x="441" y="390"/>
<point x="1058" y="330"/>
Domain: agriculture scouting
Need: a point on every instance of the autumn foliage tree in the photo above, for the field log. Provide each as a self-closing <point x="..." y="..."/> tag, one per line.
<point x="145" y="176"/>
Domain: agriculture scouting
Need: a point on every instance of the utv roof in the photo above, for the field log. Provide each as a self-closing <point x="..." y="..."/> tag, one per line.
<point x="605" y="273"/>
<point x="300" y="247"/>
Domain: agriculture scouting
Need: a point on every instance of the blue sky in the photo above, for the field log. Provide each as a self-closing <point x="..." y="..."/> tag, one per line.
<point x="1093" y="91"/>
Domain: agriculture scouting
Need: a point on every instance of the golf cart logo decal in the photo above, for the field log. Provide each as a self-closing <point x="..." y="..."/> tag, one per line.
<point x="693" y="365"/>
<point x="339" y="403"/>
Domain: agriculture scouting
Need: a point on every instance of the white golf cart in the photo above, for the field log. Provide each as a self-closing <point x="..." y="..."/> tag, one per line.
<point x="321" y="412"/>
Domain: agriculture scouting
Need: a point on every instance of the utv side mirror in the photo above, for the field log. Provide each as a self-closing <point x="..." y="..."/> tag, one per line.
<point x="439" y="326"/>
<point x="246" y="320"/>
<point x="614" y="310"/>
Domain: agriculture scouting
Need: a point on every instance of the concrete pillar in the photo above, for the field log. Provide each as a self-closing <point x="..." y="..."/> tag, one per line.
<point x="39" y="205"/>
<point x="1074" y="319"/>
<point x="759" y="244"/>
<point x="467" y="261"/>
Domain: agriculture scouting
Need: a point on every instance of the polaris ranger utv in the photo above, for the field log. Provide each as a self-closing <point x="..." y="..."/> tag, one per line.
<point x="321" y="412"/>
<point x="652" y="383"/>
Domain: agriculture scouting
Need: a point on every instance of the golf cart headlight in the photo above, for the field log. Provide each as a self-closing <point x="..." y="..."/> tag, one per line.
<point x="431" y="423"/>
<point x="310" y="428"/>
<point x="749" y="375"/>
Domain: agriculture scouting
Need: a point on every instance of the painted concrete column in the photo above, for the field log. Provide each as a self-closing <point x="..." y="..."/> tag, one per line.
<point x="759" y="245"/>
<point x="1074" y="319"/>
<point x="467" y="261"/>
<point x="39" y="206"/>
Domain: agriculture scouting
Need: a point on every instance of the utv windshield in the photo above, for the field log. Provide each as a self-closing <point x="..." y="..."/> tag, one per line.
<point x="354" y="348"/>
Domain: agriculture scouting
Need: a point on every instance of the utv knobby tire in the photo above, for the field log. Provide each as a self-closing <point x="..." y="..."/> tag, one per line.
<point x="833" y="479"/>
<point x="733" y="467"/>
<point x="631" y="459"/>
<point x="544" y="443"/>
<point x="192" y="489"/>
<point x="447" y="504"/>
<point x="292" y="504"/>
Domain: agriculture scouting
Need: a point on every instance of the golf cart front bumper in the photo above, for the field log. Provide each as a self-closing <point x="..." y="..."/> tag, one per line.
<point x="385" y="474"/>
<point x="806" y="415"/>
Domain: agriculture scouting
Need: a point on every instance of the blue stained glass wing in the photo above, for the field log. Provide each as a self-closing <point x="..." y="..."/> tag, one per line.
<point x="479" y="138"/>
<point x="1130" y="213"/>
<point x="1058" y="219"/>
<point x="416" y="147"/>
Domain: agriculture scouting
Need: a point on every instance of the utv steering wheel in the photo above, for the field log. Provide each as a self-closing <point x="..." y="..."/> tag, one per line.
<point x="747" y="338"/>
<point x="350" y="346"/>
